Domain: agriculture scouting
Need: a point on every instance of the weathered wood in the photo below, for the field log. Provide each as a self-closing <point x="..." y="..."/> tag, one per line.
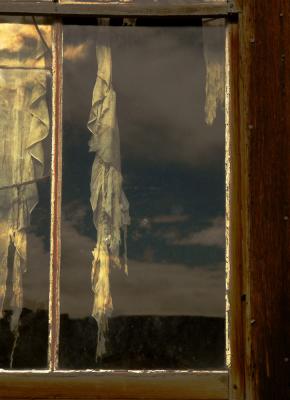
<point x="179" y="8"/>
<point x="235" y="151"/>
<point x="265" y="125"/>
<point x="115" y="385"/>
<point x="261" y="207"/>
<point x="56" y="189"/>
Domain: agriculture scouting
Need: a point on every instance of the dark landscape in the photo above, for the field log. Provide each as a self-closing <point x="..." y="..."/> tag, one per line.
<point x="140" y="342"/>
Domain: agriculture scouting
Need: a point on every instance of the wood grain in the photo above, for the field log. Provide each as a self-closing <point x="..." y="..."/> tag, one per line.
<point x="260" y="316"/>
<point x="115" y="385"/>
<point x="56" y="191"/>
<point x="235" y="217"/>
<point x="179" y="8"/>
<point x="265" y="125"/>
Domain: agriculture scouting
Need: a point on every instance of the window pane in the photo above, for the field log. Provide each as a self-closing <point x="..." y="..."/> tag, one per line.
<point x="25" y="148"/>
<point x="143" y="104"/>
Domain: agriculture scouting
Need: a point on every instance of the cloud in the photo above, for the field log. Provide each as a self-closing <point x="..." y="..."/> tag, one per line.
<point x="166" y="113"/>
<point x="76" y="52"/>
<point x="214" y="235"/>
<point x="169" y="219"/>
<point x="159" y="79"/>
<point x="151" y="288"/>
<point x="21" y="44"/>
<point x="169" y="289"/>
<point x="14" y="36"/>
<point x="146" y="222"/>
<point x="36" y="279"/>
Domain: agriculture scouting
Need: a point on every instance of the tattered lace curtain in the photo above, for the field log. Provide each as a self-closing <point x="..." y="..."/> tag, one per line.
<point x="24" y="124"/>
<point x="108" y="201"/>
<point x="213" y="44"/>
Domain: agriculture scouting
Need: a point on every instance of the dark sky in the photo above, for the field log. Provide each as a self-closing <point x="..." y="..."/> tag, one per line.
<point x="173" y="169"/>
<point x="173" y="174"/>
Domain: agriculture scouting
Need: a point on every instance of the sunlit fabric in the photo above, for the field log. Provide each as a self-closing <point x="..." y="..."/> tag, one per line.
<point x="24" y="124"/>
<point x="213" y="42"/>
<point x="108" y="201"/>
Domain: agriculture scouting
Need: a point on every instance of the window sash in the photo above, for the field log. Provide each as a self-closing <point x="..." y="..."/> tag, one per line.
<point x="109" y="384"/>
<point x="217" y="8"/>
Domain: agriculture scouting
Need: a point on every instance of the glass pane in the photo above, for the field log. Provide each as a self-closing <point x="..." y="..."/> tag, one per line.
<point x="25" y="148"/>
<point x="148" y="110"/>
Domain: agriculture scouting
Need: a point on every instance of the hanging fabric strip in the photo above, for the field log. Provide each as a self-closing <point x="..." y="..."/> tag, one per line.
<point x="24" y="124"/>
<point x="108" y="201"/>
<point x="213" y="43"/>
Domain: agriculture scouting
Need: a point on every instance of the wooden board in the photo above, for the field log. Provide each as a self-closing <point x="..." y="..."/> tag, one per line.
<point x="115" y="385"/>
<point x="179" y="8"/>
<point x="264" y="72"/>
<point x="236" y="217"/>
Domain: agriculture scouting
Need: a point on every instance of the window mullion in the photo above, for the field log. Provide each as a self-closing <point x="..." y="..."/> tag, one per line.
<point x="54" y="305"/>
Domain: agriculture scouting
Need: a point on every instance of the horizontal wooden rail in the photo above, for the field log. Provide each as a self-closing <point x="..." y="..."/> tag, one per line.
<point x="115" y="385"/>
<point x="177" y="8"/>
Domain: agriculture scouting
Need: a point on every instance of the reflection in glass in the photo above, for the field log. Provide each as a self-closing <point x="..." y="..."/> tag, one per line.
<point x="24" y="192"/>
<point x="168" y="312"/>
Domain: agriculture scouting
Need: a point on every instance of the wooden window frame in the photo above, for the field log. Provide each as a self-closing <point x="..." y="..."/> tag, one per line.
<point x="256" y="164"/>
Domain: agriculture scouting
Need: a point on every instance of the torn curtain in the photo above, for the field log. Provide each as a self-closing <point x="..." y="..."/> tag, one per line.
<point x="213" y="44"/>
<point x="24" y="124"/>
<point x="108" y="201"/>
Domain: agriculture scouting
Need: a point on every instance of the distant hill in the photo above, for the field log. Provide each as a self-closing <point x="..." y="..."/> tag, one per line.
<point x="134" y="342"/>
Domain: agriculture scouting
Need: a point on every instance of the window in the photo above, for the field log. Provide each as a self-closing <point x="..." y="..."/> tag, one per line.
<point x="175" y="234"/>
<point x="25" y="188"/>
<point x="174" y="289"/>
<point x="175" y="231"/>
<point x="43" y="76"/>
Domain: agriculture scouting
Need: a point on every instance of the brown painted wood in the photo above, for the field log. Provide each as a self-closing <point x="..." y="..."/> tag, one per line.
<point x="179" y="8"/>
<point x="265" y="127"/>
<point x="115" y="385"/>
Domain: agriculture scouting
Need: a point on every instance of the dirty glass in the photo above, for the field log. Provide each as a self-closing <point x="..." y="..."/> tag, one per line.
<point x="25" y="81"/>
<point x="143" y="217"/>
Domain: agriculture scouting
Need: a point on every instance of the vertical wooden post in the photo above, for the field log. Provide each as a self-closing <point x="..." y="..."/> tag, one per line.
<point x="235" y="151"/>
<point x="54" y="305"/>
<point x="264" y="76"/>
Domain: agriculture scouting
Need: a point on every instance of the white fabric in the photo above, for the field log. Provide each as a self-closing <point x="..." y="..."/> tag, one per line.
<point x="24" y="124"/>
<point x="213" y="44"/>
<point x="108" y="201"/>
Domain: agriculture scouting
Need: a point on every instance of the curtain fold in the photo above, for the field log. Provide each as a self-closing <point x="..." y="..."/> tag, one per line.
<point x="109" y="203"/>
<point x="24" y="124"/>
